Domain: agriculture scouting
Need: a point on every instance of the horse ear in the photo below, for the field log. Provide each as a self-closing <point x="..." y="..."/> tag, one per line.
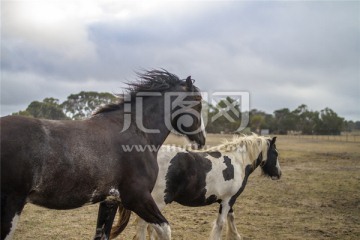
<point x="273" y="141"/>
<point x="189" y="83"/>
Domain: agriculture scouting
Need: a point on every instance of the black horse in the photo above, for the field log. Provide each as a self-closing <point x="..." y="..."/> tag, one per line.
<point x="108" y="158"/>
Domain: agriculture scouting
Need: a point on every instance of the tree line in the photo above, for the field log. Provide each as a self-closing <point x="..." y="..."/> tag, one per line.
<point x="75" y="107"/>
<point x="220" y="118"/>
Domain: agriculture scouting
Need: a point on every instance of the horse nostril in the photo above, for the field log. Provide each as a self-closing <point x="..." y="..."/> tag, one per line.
<point x="201" y="143"/>
<point x="276" y="176"/>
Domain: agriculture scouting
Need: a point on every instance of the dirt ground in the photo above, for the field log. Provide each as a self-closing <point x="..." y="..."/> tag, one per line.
<point x="318" y="197"/>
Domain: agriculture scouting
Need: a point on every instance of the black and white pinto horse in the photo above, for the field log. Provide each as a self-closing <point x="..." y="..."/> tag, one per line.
<point x="202" y="178"/>
<point x="67" y="164"/>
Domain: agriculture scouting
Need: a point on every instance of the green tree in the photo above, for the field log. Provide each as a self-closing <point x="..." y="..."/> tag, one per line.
<point x="284" y="121"/>
<point x="351" y="126"/>
<point x="256" y="122"/>
<point x="22" y="113"/>
<point x="261" y="120"/>
<point x="81" y="105"/>
<point x="49" y="108"/>
<point x="305" y="120"/>
<point x="329" y="123"/>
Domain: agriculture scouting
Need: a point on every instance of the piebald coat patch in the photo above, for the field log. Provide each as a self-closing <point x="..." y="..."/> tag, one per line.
<point x="218" y="175"/>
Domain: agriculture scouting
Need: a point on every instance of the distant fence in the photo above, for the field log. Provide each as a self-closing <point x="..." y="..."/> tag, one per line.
<point x="335" y="138"/>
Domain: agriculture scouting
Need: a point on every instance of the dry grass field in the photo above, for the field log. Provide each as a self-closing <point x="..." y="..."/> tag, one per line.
<point x="318" y="197"/>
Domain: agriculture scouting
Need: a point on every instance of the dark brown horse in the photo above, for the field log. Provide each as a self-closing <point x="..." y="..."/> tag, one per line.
<point x="111" y="156"/>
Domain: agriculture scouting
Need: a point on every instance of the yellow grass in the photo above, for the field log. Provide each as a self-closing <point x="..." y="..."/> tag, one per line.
<point x="318" y="197"/>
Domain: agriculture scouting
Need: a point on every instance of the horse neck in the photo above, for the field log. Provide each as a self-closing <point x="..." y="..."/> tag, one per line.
<point x="153" y="119"/>
<point x="258" y="158"/>
<point x="249" y="159"/>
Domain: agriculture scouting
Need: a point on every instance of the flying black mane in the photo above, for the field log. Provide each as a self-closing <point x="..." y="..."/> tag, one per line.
<point x="149" y="81"/>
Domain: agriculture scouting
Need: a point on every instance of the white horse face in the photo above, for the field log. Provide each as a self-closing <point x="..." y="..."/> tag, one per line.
<point x="271" y="166"/>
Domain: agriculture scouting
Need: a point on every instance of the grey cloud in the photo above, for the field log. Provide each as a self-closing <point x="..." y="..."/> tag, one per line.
<point x="283" y="53"/>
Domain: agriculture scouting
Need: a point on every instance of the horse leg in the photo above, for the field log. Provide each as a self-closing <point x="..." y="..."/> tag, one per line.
<point x="142" y="226"/>
<point x="220" y="221"/>
<point x="106" y="215"/>
<point x="140" y="229"/>
<point x="147" y="209"/>
<point x="152" y="233"/>
<point x="163" y="230"/>
<point x="232" y="233"/>
<point x="11" y="207"/>
<point x="161" y="204"/>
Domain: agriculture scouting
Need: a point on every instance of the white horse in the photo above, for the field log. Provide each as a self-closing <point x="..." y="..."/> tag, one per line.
<point x="201" y="178"/>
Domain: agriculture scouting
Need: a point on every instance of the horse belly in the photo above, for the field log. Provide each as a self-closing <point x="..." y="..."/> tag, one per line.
<point x="68" y="188"/>
<point x="65" y="200"/>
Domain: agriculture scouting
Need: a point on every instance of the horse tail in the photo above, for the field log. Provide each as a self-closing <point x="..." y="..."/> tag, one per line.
<point x="123" y="220"/>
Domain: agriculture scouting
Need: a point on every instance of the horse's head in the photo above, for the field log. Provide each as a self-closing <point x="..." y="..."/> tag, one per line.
<point x="181" y="99"/>
<point x="271" y="167"/>
<point x="186" y="117"/>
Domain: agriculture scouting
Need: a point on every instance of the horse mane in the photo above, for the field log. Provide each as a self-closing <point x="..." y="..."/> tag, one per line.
<point x="149" y="81"/>
<point x="252" y="143"/>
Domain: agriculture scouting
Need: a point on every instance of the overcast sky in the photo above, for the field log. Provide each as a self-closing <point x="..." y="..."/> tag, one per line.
<point x="284" y="53"/>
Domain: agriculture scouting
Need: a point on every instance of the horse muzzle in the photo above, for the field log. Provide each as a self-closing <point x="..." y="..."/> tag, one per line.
<point x="276" y="177"/>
